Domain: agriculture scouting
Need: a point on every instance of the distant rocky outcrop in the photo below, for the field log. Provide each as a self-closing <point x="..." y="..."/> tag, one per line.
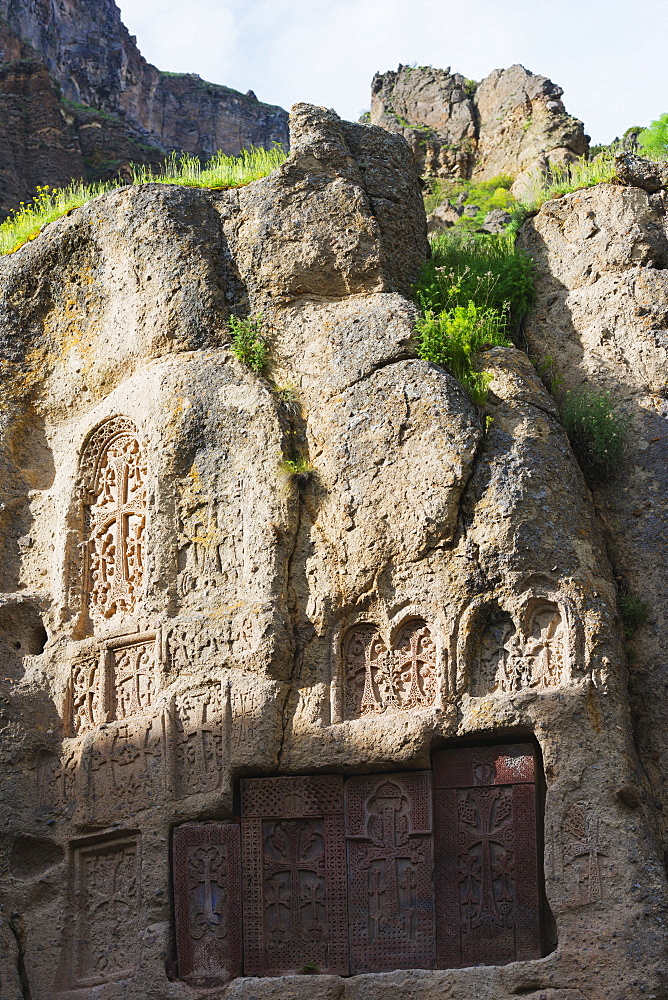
<point x="513" y="122"/>
<point x="79" y="100"/>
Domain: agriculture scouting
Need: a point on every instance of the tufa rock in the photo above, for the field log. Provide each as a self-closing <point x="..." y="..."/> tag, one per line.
<point x="634" y="171"/>
<point x="183" y="621"/>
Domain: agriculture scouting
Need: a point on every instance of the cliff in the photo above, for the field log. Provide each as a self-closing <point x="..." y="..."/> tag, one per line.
<point x="513" y="122"/>
<point x="401" y="667"/>
<point x="80" y="102"/>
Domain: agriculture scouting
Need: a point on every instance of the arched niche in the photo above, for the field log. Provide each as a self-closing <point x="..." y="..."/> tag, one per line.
<point x="381" y="675"/>
<point x="113" y="488"/>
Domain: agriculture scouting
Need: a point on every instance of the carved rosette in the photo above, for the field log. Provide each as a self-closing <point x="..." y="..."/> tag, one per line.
<point x="378" y="679"/>
<point x="114" y="475"/>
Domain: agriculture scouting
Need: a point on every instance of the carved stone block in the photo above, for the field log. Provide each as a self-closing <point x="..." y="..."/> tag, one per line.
<point x="207" y="902"/>
<point x="127" y="766"/>
<point x="294" y="875"/>
<point x="582" y="845"/>
<point x="379" y="679"/>
<point x="106" y="903"/>
<point x="390" y="866"/>
<point x="86" y="696"/>
<point x="487" y="895"/>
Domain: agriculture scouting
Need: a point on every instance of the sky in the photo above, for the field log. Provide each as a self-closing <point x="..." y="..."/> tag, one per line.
<point x="611" y="63"/>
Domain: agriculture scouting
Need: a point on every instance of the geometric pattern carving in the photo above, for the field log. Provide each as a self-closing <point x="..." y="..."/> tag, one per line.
<point x="581" y="847"/>
<point x="114" y="475"/>
<point x="294" y="875"/>
<point x="207" y="902"/>
<point x="127" y="767"/>
<point x="134" y="682"/>
<point x="486" y="872"/>
<point x="390" y="863"/>
<point x="508" y="663"/>
<point x="378" y="679"/>
<point x="107" y="895"/>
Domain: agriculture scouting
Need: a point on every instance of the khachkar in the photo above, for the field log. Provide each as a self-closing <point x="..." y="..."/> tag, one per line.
<point x="231" y="695"/>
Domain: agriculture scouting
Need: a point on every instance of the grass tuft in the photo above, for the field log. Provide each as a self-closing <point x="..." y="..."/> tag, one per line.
<point x="597" y="432"/>
<point x="634" y="612"/>
<point x="29" y="219"/>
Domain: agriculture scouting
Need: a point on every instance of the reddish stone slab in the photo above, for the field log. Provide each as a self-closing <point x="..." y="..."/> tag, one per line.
<point x="294" y="875"/>
<point x="207" y="901"/>
<point x="390" y="872"/>
<point x="487" y="888"/>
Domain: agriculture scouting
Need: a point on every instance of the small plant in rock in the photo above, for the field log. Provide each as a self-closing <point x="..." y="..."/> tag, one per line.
<point x="634" y="612"/>
<point x="453" y="338"/>
<point x="597" y="431"/>
<point x="310" y="969"/>
<point x="297" y="471"/>
<point x="249" y="345"/>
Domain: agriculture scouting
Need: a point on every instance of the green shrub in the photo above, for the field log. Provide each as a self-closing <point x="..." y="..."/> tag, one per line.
<point x="453" y="337"/>
<point x="653" y="141"/>
<point x="489" y="271"/>
<point x="487" y="195"/>
<point x="248" y="343"/>
<point x="597" y="433"/>
<point x="634" y="612"/>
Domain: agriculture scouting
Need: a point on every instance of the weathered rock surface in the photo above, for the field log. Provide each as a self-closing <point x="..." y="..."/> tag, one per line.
<point x="602" y="258"/>
<point x="513" y="122"/>
<point x="129" y="426"/>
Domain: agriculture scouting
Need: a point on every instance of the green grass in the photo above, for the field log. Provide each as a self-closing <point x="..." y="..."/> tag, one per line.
<point x="566" y="177"/>
<point x="634" y="611"/>
<point x="597" y="432"/>
<point x="488" y="270"/>
<point x="27" y="221"/>
<point x="472" y="293"/>
<point x="487" y="195"/>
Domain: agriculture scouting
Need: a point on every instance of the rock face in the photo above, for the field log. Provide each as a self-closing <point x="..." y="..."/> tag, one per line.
<point x="602" y="256"/>
<point x="188" y="636"/>
<point x="514" y="122"/>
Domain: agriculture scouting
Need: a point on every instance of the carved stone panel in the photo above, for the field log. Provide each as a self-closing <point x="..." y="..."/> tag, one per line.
<point x="86" y="695"/>
<point x="114" y="476"/>
<point x="294" y="875"/>
<point x="127" y="766"/>
<point x="207" y="902"/>
<point x="509" y="662"/>
<point x="201" y="720"/>
<point x="390" y="872"/>
<point x="378" y="679"/>
<point x="134" y="678"/>
<point x="582" y="846"/>
<point x="106" y="902"/>
<point x="487" y="895"/>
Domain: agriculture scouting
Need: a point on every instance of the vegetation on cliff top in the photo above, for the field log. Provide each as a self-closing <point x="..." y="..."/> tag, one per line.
<point x="221" y="171"/>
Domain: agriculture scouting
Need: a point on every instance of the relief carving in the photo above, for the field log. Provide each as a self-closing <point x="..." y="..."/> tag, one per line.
<point x="582" y="846"/>
<point x="115" y="681"/>
<point x="107" y="893"/>
<point x="201" y="738"/>
<point x="85" y="706"/>
<point x="134" y="681"/>
<point x="114" y="474"/>
<point x="508" y="662"/>
<point x="210" y="543"/>
<point x="378" y="679"/>
<point x="127" y="765"/>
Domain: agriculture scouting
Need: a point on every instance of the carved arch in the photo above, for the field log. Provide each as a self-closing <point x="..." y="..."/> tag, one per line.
<point x="388" y="672"/>
<point x="113" y="489"/>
